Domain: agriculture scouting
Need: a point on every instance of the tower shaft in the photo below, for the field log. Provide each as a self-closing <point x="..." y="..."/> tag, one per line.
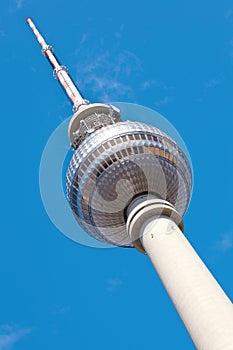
<point x="204" y="308"/>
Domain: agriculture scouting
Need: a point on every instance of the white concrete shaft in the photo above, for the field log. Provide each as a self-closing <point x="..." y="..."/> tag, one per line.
<point x="201" y="303"/>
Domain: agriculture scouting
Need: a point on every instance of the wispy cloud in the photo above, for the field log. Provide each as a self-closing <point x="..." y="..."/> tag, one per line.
<point x="113" y="284"/>
<point x="119" y="33"/>
<point x="147" y="84"/>
<point x="2" y="33"/>
<point x="162" y="90"/>
<point x="163" y="101"/>
<point x="10" y="336"/>
<point x="19" y="4"/>
<point x="83" y="39"/>
<point x="212" y="83"/>
<point x="105" y="74"/>
<point x="228" y="13"/>
<point x="231" y="48"/>
<point x="156" y="84"/>
<point x="107" y="88"/>
<point x="226" y="242"/>
<point x="61" y="309"/>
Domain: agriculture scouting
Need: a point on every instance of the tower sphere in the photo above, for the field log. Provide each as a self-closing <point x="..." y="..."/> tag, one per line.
<point x="115" y="163"/>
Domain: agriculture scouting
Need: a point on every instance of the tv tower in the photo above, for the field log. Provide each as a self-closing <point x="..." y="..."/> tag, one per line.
<point x="129" y="184"/>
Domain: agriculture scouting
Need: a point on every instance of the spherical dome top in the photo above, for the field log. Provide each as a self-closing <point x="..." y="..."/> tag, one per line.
<point x="117" y="163"/>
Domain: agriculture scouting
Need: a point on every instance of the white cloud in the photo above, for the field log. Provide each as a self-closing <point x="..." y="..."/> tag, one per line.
<point x="19" y="4"/>
<point x="61" y="309"/>
<point x="105" y="73"/>
<point x="163" y="101"/>
<point x="147" y="84"/>
<point x="212" y="83"/>
<point x="231" y="45"/>
<point x="2" y="33"/>
<point x="119" y="33"/>
<point x="83" y="39"/>
<point x="107" y="88"/>
<point x="9" y="336"/>
<point x="226" y="242"/>
<point x="228" y="13"/>
<point x="113" y="284"/>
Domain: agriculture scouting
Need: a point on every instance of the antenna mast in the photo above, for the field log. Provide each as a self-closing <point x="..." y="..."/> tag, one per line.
<point x="60" y="72"/>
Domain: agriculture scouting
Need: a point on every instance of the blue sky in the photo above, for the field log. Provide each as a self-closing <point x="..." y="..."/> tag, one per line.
<point x="172" y="56"/>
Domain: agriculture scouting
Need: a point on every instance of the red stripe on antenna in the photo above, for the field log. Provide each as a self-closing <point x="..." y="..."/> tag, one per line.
<point x="60" y="71"/>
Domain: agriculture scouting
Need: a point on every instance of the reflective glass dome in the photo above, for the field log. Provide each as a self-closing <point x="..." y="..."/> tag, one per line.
<point x="115" y="164"/>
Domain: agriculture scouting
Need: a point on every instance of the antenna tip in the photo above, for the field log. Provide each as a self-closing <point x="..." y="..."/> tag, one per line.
<point x="29" y="20"/>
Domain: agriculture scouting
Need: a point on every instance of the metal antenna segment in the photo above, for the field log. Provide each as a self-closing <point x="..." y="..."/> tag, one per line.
<point x="60" y="72"/>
